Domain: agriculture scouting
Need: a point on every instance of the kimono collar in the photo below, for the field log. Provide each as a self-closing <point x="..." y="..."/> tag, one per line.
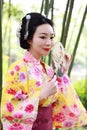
<point x="29" y="58"/>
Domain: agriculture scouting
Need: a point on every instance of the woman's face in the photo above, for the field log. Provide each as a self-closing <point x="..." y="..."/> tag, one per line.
<point x="42" y="41"/>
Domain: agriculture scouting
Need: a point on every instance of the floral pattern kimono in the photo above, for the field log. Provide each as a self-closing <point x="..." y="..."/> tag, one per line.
<point x="20" y="97"/>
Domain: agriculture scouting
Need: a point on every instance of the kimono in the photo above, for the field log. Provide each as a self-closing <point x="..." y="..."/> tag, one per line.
<point x="20" y="97"/>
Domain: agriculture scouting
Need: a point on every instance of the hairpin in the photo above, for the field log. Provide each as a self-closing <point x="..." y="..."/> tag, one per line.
<point x="18" y="30"/>
<point x="28" y="17"/>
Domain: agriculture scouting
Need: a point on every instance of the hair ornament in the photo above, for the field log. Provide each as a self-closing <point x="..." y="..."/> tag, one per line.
<point x="28" y="17"/>
<point x="18" y="31"/>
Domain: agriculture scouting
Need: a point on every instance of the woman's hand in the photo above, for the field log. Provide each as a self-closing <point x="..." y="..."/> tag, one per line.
<point x="68" y="59"/>
<point x="49" y="88"/>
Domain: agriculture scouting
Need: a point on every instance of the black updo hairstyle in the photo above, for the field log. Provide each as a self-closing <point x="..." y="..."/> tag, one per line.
<point x="35" y="20"/>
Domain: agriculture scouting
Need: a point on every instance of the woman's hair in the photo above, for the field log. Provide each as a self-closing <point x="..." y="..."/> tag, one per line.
<point x="29" y="25"/>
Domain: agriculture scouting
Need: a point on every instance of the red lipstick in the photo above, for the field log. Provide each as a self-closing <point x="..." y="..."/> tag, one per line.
<point x="46" y="49"/>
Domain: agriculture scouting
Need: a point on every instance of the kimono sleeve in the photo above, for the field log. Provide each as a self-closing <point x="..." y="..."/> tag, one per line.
<point x="68" y="111"/>
<point x="18" y="105"/>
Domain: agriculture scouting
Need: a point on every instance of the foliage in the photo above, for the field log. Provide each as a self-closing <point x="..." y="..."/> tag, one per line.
<point x="11" y="16"/>
<point x="15" y="11"/>
<point x="66" y="21"/>
<point x="77" y="40"/>
<point x="81" y="89"/>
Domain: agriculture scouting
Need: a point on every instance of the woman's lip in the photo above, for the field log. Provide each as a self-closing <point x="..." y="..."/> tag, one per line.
<point x="46" y="49"/>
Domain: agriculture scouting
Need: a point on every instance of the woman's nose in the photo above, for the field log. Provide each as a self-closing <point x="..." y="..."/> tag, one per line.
<point x="48" y="42"/>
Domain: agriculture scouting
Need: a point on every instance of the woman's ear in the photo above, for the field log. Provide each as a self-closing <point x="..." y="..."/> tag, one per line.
<point x="29" y="41"/>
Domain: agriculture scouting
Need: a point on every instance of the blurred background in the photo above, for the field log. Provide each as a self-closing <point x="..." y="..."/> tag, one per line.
<point x="70" y="24"/>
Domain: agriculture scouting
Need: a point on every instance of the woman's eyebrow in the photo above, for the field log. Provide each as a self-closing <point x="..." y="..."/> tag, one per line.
<point x="47" y="33"/>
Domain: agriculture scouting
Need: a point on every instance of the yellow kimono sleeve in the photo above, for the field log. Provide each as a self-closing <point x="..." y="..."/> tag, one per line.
<point x="68" y="111"/>
<point x="18" y="105"/>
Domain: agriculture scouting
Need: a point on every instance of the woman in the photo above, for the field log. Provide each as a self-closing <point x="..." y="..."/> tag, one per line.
<point x="30" y="94"/>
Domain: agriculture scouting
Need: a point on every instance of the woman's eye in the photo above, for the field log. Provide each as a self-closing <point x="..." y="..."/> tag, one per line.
<point x="42" y="37"/>
<point x="52" y="38"/>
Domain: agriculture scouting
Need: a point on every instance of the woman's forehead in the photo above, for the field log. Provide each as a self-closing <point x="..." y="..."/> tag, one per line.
<point x="45" y="29"/>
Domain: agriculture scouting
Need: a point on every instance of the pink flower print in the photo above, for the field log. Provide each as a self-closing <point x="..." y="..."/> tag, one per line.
<point x="74" y="109"/>
<point x="28" y="57"/>
<point x="68" y="113"/>
<point x="28" y="121"/>
<point x="29" y="108"/>
<point x="20" y="95"/>
<point x="38" y="83"/>
<point x="59" y="81"/>
<point x="59" y="117"/>
<point x="65" y="79"/>
<point x="9" y="118"/>
<point x="25" y="60"/>
<point x="68" y="124"/>
<point x="60" y="88"/>
<point x="22" y="76"/>
<point x="17" y="68"/>
<point x="64" y="107"/>
<point x="12" y="82"/>
<point x="18" y="115"/>
<point x="54" y="104"/>
<point x="36" y="71"/>
<point x="11" y="91"/>
<point x="9" y="107"/>
<point x="50" y="72"/>
<point x="65" y="110"/>
<point x="77" y="96"/>
<point x="71" y="114"/>
<point x="12" y="72"/>
<point x="16" y="126"/>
